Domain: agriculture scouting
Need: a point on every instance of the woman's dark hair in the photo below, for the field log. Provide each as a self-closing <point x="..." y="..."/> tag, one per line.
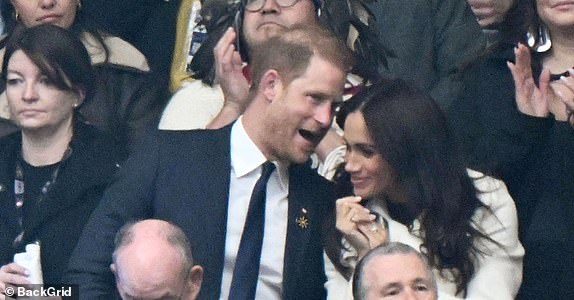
<point x="411" y="133"/>
<point x="59" y="55"/>
<point x="82" y="24"/>
<point x="516" y="23"/>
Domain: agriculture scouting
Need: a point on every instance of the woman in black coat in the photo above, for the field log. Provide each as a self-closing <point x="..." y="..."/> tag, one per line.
<point x="54" y="170"/>
<point x="128" y="97"/>
<point x="512" y="123"/>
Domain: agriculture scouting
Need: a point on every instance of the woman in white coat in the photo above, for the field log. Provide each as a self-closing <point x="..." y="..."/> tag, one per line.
<point x="410" y="186"/>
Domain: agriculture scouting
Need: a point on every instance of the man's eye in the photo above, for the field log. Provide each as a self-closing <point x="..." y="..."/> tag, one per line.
<point x="317" y="99"/>
<point x="392" y="292"/>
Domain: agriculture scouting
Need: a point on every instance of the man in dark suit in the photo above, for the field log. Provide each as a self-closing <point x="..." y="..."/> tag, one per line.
<point x="202" y="180"/>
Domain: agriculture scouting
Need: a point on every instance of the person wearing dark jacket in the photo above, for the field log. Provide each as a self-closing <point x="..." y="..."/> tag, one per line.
<point x="512" y="123"/>
<point x="53" y="171"/>
<point x="128" y="99"/>
<point x="429" y="43"/>
<point x="201" y="180"/>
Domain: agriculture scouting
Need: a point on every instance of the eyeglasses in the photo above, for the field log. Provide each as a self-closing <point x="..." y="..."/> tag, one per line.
<point x="257" y="5"/>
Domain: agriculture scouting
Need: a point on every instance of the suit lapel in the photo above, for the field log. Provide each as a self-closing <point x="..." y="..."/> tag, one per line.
<point x="300" y="227"/>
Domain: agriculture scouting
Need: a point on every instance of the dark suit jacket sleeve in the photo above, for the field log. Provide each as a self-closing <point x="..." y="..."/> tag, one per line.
<point x="128" y="198"/>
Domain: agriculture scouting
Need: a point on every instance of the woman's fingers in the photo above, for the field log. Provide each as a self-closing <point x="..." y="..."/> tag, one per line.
<point x="13" y="274"/>
<point x="530" y="99"/>
<point x="375" y="233"/>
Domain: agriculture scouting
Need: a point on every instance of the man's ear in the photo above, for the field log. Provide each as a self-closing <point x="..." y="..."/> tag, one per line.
<point x="271" y="84"/>
<point x="195" y="280"/>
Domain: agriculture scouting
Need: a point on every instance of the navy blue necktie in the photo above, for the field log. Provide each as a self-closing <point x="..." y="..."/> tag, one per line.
<point x="246" y="271"/>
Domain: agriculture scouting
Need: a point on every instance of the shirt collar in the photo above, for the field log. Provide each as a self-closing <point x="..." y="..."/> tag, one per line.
<point x="246" y="157"/>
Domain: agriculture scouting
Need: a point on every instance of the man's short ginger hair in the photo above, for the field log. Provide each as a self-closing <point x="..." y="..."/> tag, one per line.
<point x="290" y="53"/>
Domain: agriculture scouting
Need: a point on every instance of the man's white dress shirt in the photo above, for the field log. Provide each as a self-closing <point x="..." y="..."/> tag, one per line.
<point x="246" y="161"/>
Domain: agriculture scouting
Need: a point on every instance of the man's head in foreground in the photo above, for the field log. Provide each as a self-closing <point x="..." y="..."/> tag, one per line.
<point x="152" y="260"/>
<point x="394" y="271"/>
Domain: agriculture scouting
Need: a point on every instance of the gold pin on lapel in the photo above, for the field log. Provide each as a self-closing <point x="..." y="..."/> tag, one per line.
<point x="302" y="220"/>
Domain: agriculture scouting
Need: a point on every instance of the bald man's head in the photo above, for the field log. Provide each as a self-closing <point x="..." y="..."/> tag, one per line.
<point x="152" y="260"/>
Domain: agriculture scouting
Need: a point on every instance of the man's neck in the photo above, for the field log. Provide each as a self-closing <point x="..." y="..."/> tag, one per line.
<point x="255" y="127"/>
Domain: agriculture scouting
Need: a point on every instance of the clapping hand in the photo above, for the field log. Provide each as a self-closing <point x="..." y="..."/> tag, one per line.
<point x="531" y="100"/>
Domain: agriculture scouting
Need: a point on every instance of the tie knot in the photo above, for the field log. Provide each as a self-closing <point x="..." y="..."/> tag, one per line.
<point x="266" y="169"/>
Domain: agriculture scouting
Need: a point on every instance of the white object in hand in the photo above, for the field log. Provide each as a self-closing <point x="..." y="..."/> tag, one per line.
<point x="31" y="261"/>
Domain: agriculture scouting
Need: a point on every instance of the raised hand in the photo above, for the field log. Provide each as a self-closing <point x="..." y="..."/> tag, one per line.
<point x="531" y="100"/>
<point x="229" y="71"/>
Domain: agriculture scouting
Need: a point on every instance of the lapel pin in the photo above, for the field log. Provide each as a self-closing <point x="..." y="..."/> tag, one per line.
<point x="303" y="221"/>
<point x="2" y="188"/>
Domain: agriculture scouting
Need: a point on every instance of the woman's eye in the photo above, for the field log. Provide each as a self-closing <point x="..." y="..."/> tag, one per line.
<point x="368" y="151"/>
<point x="46" y="81"/>
<point x="13" y="81"/>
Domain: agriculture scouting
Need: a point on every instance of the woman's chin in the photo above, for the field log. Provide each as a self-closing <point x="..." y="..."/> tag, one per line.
<point x="363" y="193"/>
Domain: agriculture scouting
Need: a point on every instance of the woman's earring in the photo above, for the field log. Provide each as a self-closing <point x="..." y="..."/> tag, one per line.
<point x="542" y="42"/>
<point x="79" y="4"/>
<point x="16" y="15"/>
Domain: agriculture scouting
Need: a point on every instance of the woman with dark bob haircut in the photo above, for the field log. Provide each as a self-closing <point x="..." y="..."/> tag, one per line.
<point x="410" y="186"/>
<point x="128" y="98"/>
<point x="54" y="170"/>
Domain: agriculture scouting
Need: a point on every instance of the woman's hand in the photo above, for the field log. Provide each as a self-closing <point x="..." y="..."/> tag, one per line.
<point x="556" y="97"/>
<point x="12" y="275"/>
<point x="565" y="93"/>
<point x="531" y="100"/>
<point x="358" y="225"/>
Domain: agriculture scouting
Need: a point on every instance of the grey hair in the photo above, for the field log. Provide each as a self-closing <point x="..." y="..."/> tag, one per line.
<point x="359" y="287"/>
